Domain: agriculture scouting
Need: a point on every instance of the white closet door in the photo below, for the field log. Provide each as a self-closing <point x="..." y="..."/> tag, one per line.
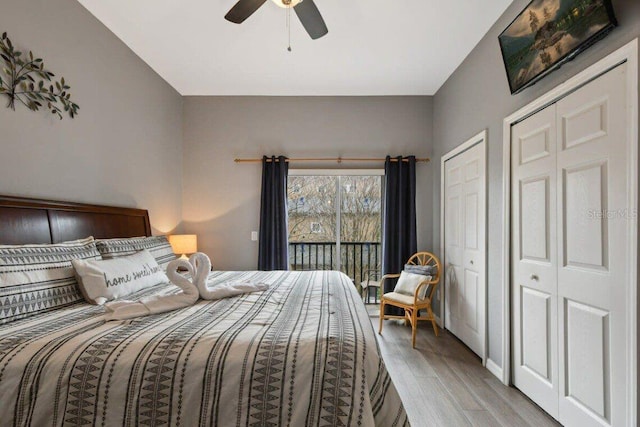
<point x="465" y="289"/>
<point x="593" y="251"/>
<point x="534" y="260"/>
<point x="570" y="253"/>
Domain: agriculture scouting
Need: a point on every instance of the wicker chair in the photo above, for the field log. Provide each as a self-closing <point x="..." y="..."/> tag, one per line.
<point x="413" y="304"/>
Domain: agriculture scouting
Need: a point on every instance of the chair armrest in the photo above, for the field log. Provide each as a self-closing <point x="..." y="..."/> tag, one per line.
<point x="389" y="276"/>
<point x="385" y="277"/>
<point x="425" y="283"/>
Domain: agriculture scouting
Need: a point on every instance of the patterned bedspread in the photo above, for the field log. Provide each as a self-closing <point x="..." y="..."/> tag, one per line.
<point x="302" y="353"/>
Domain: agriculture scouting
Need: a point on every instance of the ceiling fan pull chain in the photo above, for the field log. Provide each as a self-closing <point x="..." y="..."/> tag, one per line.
<point x="289" y="27"/>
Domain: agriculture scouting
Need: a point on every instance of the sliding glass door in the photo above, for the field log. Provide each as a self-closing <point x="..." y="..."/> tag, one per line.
<point x="335" y="220"/>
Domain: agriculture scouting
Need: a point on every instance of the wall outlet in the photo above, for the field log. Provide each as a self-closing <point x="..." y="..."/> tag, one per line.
<point x="254" y="236"/>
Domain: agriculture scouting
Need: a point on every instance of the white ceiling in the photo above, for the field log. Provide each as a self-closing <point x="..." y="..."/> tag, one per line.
<point x="374" y="47"/>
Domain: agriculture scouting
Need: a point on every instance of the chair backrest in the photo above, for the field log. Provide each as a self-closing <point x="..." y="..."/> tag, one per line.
<point x="427" y="258"/>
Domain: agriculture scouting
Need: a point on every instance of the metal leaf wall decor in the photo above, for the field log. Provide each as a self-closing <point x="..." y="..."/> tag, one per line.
<point x="24" y="79"/>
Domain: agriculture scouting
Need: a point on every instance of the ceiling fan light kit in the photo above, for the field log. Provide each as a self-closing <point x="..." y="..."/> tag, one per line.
<point x="287" y="3"/>
<point x="306" y="10"/>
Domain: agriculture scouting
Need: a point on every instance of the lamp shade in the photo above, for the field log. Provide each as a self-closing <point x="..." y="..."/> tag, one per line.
<point x="184" y="243"/>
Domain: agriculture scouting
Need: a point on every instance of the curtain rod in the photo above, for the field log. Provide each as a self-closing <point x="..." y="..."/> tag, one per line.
<point x="333" y="159"/>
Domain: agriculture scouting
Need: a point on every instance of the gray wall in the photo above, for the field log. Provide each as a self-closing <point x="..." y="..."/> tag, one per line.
<point x="124" y="148"/>
<point x="476" y="97"/>
<point x="221" y="199"/>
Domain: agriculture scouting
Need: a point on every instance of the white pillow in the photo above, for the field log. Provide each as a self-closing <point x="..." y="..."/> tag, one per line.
<point x="408" y="283"/>
<point x="107" y="279"/>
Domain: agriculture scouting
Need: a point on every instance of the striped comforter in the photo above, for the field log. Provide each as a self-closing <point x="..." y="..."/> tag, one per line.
<point x="302" y="353"/>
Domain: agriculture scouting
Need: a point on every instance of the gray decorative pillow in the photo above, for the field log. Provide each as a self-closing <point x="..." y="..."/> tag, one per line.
<point x="39" y="278"/>
<point x="158" y="246"/>
<point x="425" y="270"/>
<point x="103" y="280"/>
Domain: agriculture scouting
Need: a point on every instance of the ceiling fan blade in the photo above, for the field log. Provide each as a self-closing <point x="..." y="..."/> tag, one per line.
<point x="311" y="19"/>
<point x="242" y="10"/>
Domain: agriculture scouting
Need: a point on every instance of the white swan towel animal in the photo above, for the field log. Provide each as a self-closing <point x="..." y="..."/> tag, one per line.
<point x="124" y="309"/>
<point x="202" y="265"/>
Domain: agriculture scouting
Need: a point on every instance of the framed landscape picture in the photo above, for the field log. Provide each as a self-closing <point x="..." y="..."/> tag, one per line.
<point x="548" y="33"/>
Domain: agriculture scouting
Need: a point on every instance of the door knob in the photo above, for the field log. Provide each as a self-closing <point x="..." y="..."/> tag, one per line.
<point x="471" y="262"/>
<point x="534" y="277"/>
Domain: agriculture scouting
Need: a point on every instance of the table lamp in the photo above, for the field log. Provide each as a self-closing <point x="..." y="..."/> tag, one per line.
<point x="184" y="244"/>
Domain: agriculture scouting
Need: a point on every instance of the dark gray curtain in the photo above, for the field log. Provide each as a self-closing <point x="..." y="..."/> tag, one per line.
<point x="399" y="222"/>
<point x="273" y="248"/>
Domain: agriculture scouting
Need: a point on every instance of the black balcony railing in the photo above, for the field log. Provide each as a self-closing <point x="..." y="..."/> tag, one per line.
<point x="356" y="258"/>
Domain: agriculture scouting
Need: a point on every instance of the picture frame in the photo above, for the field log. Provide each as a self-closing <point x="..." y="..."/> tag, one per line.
<point x="549" y="33"/>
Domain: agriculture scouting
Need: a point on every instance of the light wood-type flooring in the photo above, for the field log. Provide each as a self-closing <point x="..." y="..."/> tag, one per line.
<point x="443" y="383"/>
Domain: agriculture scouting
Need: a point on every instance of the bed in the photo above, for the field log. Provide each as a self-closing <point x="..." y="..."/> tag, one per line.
<point x="302" y="353"/>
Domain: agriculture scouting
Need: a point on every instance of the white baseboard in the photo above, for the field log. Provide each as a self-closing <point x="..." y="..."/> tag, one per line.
<point x="495" y="369"/>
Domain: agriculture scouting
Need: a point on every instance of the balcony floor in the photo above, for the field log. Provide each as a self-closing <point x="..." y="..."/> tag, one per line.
<point x="373" y="310"/>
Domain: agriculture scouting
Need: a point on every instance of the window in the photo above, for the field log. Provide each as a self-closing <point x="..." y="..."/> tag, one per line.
<point x="335" y="220"/>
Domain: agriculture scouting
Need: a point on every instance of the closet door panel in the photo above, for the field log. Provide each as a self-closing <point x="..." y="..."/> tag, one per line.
<point x="593" y="247"/>
<point x="465" y="220"/>
<point x="454" y="271"/>
<point x="534" y="260"/>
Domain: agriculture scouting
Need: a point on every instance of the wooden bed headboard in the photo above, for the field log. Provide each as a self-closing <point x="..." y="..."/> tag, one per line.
<point x="24" y="221"/>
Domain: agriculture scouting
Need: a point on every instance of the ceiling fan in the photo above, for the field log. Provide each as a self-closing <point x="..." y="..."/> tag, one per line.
<point x="306" y="10"/>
